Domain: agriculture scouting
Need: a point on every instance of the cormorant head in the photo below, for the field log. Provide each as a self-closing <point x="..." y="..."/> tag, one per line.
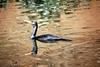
<point x="34" y="24"/>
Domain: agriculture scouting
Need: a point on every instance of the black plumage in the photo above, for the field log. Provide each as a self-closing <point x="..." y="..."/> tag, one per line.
<point x="48" y="38"/>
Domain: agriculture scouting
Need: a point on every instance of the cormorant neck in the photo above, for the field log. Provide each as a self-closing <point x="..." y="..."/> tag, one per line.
<point x="36" y="28"/>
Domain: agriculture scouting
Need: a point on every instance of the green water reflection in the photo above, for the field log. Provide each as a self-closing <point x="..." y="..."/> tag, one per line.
<point x="51" y="10"/>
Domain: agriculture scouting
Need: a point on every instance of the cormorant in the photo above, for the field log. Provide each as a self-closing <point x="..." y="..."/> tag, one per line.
<point x="46" y="38"/>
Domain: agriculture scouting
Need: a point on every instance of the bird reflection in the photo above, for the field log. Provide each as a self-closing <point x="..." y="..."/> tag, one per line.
<point x="46" y="38"/>
<point x="34" y="47"/>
